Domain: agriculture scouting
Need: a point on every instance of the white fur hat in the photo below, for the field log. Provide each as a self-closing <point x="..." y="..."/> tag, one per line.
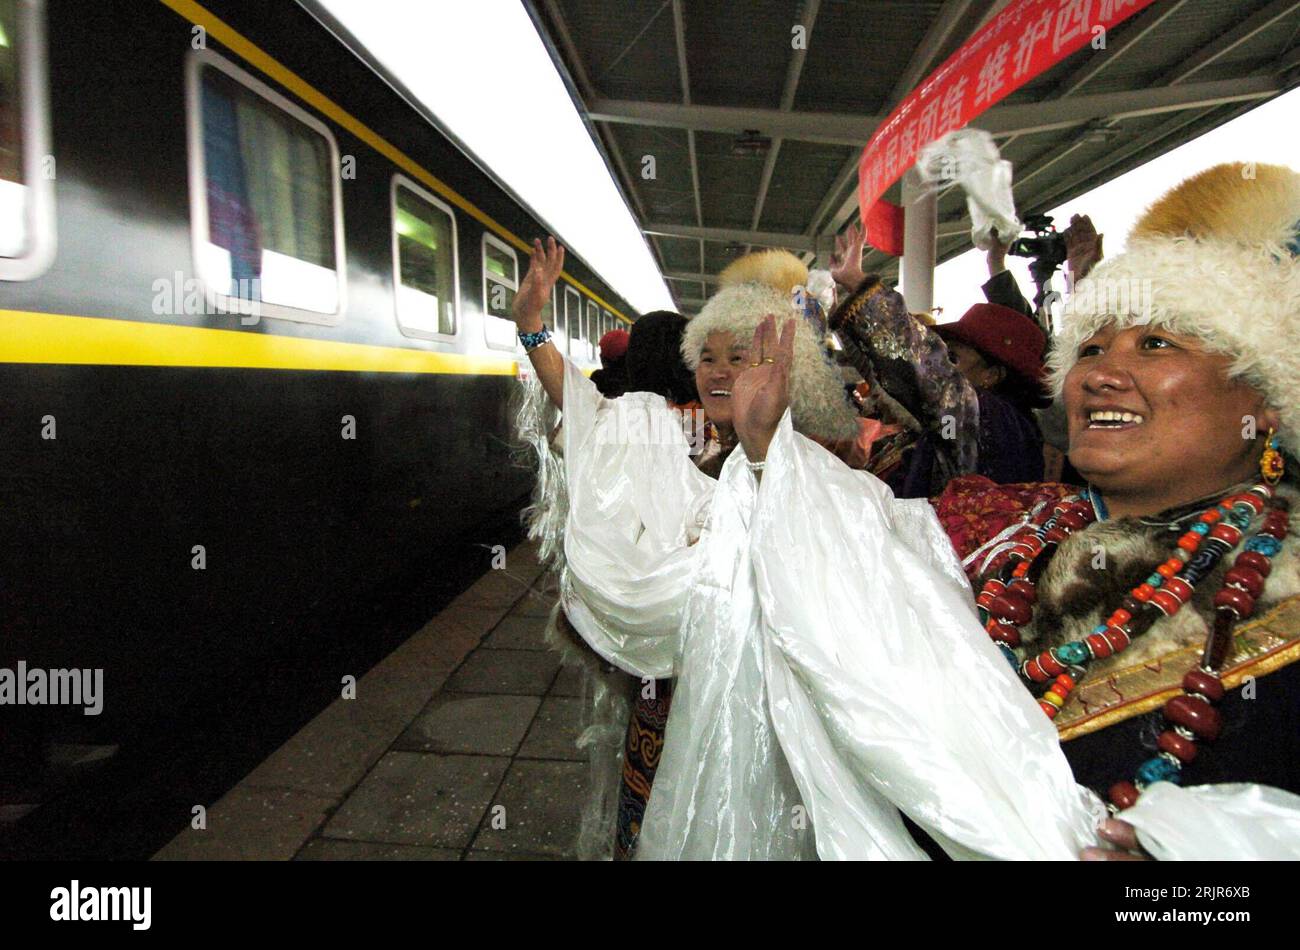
<point x="751" y="289"/>
<point x="1215" y="259"/>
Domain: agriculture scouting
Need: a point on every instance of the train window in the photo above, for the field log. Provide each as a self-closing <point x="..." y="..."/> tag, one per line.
<point x="572" y="321"/>
<point x="548" y="312"/>
<point x="592" y="328"/>
<point x="607" y="322"/>
<point x="265" y="198"/>
<point x="26" y="165"/>
<point x="424" y="261"/>
<point x="554" y="317"/>
<point x="500" y="282"/>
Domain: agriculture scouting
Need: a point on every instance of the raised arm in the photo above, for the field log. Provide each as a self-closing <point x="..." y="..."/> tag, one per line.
<point x="846" y="261"/>
<point x="911" y="362"/>
<point x="1001" y="287"/>
<point x="544" y="267"/>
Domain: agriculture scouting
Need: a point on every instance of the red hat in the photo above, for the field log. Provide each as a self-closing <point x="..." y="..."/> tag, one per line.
<point x="1003" y="335"/>
<point x="613" y="345"/>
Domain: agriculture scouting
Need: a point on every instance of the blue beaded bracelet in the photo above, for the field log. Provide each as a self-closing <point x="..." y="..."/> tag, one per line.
<point x="532" y="341"/>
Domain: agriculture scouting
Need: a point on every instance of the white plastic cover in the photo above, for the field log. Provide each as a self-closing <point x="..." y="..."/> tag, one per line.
<point x="1217" y="823"/>
<point x="830" y="666"/>
<point x="971" y="159"/>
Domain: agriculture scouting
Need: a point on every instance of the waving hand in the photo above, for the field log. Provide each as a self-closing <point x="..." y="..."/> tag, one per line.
<point x="544" y="267"/>
<point x="761" y="393"/>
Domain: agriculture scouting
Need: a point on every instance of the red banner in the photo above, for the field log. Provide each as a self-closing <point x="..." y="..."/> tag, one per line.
<point x="1026" y="39"/>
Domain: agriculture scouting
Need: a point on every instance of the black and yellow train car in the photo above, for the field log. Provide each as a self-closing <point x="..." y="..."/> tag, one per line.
<point x="254" y="369"/>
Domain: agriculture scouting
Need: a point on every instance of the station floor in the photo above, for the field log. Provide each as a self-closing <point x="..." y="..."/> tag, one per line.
<point x="460" y="745"/>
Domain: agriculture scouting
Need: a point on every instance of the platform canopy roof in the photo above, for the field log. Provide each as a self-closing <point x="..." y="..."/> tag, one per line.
<point x="755" y="142"/>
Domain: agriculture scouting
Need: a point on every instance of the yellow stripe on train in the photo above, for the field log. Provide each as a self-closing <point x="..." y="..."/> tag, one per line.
<point x="62" y="339"/>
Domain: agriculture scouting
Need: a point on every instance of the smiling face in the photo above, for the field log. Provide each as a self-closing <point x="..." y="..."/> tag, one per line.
<point x="1155" y="421"/>
<point x="721" y="360"/>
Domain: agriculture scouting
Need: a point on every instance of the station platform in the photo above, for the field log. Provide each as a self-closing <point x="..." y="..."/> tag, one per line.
<point x="459" y="745"/>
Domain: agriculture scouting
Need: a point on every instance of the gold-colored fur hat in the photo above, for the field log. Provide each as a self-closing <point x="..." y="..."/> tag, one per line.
<point x="777" y="268"/>
<point x="1216" y="258"/>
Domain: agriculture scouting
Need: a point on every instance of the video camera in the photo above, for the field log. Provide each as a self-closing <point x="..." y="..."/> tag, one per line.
<point x="1047" y="246"/>
<point x="1046" y="252"/>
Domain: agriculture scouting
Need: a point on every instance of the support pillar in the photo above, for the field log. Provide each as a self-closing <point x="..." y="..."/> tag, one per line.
<point x="920" y="237"/>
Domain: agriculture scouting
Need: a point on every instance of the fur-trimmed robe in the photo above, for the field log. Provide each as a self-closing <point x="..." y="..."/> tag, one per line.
<point x="1110" y="723"/>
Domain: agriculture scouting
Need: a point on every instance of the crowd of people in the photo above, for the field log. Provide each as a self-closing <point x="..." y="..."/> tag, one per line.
<point x="866" y="608"/>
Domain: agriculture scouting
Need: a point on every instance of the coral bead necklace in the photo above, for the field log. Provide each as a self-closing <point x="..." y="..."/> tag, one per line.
<point x="1006" y="605"/>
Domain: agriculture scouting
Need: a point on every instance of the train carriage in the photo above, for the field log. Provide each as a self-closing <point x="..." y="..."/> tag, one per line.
<point x="254" y="349"/>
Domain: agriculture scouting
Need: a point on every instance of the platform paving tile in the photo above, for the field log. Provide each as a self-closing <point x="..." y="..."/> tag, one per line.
<point x="251" y="824"/>
<point x="332" y="849"/>
<point x="516" y="632"/>
<point x="537" y="603"/>
<point x="568" y="683"/>
<point x="331" y="753"/>
<point x="498" y="589"/>
<point x="542" y="802"/>
<point x="554" y="733"/>
<point x="420" y="798"/>
<point x="493" y="724"/>
<point x="522" y="672"/>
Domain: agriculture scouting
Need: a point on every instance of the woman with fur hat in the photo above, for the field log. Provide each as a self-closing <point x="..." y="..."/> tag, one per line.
<point x="714" y="347"/>
<point x="627" y="482"/>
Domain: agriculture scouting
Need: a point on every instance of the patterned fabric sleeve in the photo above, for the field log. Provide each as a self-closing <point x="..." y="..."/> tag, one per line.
<point x="911" y="363"/>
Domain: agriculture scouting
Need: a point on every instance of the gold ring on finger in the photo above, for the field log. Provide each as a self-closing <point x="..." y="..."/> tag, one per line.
<point x="768" y="359"/>
<point x="753" y="364"/>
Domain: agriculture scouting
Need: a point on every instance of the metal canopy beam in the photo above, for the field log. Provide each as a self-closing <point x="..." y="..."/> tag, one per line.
<point x="1063" y="186"/>
<point x="829" y="127"/>
<point x="1117" y="106"/>
<point x="800" y="243"/>
<point x="924" y="58"/>
<point x="840" y="129"/>
<point x="795" y="242"/>
<point x="994" y="9"/>
<point x="693" y="278"/>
